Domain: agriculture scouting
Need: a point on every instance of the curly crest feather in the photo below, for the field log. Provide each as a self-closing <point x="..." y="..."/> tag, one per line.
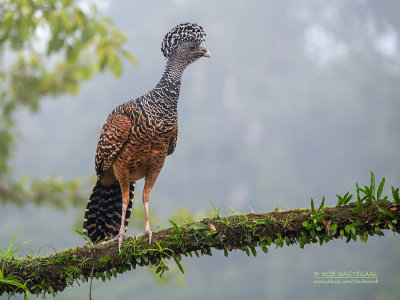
<point x="185" y="32"/>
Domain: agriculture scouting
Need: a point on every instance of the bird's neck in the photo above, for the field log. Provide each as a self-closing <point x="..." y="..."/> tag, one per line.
<point x="170" y="83"/>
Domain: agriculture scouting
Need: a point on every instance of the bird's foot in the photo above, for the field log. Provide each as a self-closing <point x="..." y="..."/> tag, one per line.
<point x="119" y="238"/>
<point x="147" y="232"/>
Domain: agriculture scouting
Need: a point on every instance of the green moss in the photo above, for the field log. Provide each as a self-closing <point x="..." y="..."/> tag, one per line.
<point x="53" y="273"/>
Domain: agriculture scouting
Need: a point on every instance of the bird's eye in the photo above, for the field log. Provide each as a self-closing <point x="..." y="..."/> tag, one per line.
<point x="191" y="47"/>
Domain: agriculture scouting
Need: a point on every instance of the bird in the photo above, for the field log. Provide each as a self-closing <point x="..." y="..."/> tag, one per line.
<point x="135" y="140"/>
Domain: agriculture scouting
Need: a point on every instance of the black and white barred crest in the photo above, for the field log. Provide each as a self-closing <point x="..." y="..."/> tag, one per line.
<point x="185" y="32"/>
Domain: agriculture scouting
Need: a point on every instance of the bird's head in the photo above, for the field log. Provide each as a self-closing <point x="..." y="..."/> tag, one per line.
<point x="182" y="43"/>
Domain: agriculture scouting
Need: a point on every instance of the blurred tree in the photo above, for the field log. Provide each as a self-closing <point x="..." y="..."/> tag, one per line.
<point x="47" y="48"/>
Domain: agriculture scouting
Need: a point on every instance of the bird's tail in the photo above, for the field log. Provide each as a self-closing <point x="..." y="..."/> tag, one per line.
<point x="103" y="212"/>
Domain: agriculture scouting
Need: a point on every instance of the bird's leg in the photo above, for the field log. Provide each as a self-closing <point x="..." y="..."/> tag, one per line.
<point x="145" y="199"/>
<point x="149" y="182"/>
<point x="124" y="184"/>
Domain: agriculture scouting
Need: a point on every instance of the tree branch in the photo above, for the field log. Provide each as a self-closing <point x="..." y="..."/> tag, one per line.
<point x="55" y="272"/>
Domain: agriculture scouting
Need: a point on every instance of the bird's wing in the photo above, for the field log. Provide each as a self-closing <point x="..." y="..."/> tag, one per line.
<point x="113" y="137"/>
<point x="172" y="142"/>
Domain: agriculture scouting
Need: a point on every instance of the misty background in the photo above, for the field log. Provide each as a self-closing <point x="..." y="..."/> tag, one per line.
<point x="299" y="100"/>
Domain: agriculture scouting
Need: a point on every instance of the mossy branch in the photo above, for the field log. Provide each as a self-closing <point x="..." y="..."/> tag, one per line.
<point x="55" y="272"/>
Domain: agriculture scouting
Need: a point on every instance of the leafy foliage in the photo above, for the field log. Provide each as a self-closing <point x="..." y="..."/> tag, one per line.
<point x="343" y="200"/>
<point x="47" y="48"/>
<point x="7" y="255"/>
<point x="53" y="192"/>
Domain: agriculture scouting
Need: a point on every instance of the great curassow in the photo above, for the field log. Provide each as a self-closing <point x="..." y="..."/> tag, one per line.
<point x="135" y="140"/>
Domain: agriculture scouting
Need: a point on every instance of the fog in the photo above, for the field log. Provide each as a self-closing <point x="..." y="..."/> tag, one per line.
<point x="299" y="100"/>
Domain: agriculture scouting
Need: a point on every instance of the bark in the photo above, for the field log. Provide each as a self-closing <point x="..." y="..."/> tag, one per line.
<point x="53" y="273"/>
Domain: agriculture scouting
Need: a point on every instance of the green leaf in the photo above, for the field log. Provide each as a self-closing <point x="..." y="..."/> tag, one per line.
<point x="115" y="64"/>
<point x="322" y="203"/>
<point x="312" y="206"/>
<point x="178" y="264"/>
<point x="105" y="259"/>
<point x="359" y="201"/>
<point x="362" y="238"/>
<point x="17" y="284"/>
<point x="72" y="54"/>
<point x="55" y="44"/>
<point x="114" y="272"/>
<point x="380" y="189"/>
<point x="226" y="252"/>
<point x="145" y="258"/>
<point x="353" y="230"/>
<point x="83" y="279"/>
<point x="340" y="200"/>
<point x="8" y="17"/>
<point x="396" y="196"/>
<point x="372" y="187"/>
<point x="197" y="226"/>
<point x="174" y="236"/>
<point x="347" y="197"/>
<point x="25" y="27"/>
<point x="261" y="221"/>
<point x="253" y="251"/>
<point x="176" y="227"/>
<point x="130" y="57"/>
<point x="264" y="248"/>
<point x="303" y="237"/>
<point x="87" y="239"/>
<point x="176" y="242"/>
<point x="108" y="274"/>
<point x="103" y="55"/>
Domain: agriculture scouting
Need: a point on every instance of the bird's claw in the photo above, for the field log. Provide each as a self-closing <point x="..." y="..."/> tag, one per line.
<point x="147" y="232"/>
<point x="120" y="237"/>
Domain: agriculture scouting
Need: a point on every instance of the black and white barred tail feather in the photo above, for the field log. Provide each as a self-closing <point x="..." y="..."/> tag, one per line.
<point x="102" y="219"/>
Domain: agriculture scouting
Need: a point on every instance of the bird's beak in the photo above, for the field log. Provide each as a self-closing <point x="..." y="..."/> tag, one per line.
<point x="206" y="53"/>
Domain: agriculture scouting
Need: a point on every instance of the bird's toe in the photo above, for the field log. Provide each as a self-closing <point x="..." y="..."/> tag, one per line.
<point x="147" y="232"/>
